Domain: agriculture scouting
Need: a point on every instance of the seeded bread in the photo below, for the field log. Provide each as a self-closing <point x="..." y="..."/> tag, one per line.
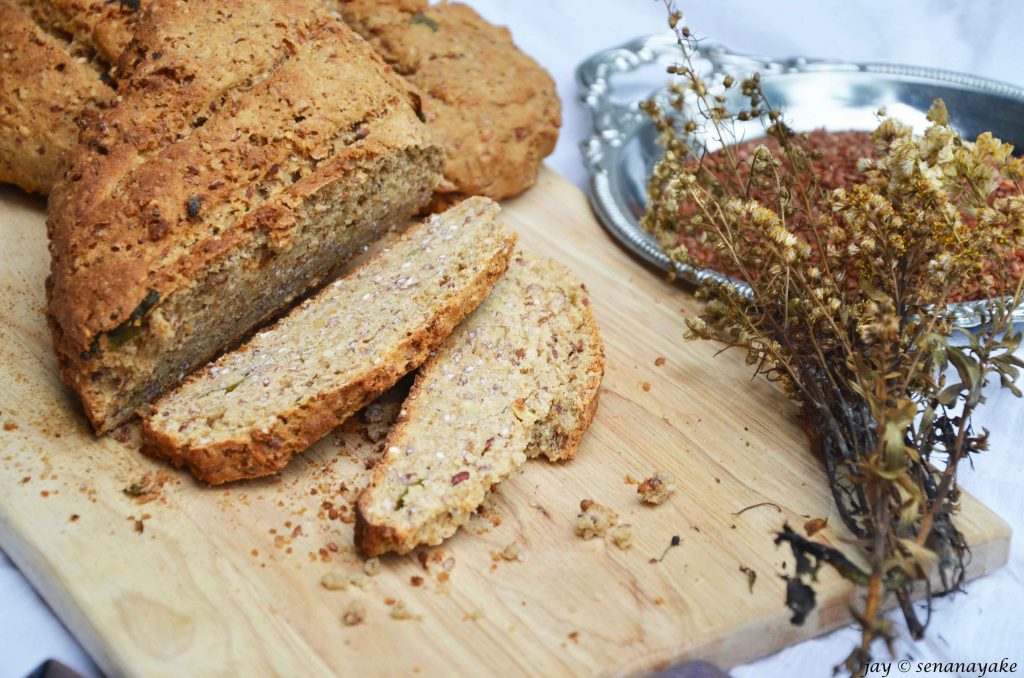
<point x="494" y="109"/>
<point x="520" y="376"/>
<point x="235" y="174"/>
<point x="104" y="26"/>
<point x="54" y="59"/>
<point x="249" y="412"/>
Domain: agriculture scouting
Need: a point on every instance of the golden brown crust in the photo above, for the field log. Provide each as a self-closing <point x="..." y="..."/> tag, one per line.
<point x="120" y="222"/>
<point x="44" y="88"/>
<point x="102" y="25"/>
<point x="260" y="453"/>
<point x="567" y="363"/>
<point x="375" y="539"/>
<point x="217" y="144"/>
<point x="493" y="108"/>
<point x="588" y="408"/>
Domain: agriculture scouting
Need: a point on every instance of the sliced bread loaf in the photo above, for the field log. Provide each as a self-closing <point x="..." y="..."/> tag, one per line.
<point x="520" y="376"/>
<point x="256" y="146"/>
<point x="250" y="411"/>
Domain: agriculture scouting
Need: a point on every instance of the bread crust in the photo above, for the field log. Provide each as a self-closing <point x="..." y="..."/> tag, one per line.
<point x="215" y="149"/>
<point x="494" y="109"/>
<point x="583" y="401"/>
<point x="378" y="535"/>
<point x="45" y="88"/>
<point x="101" y="25"/>
<point x="259" y="453"/>
<point x="125" y="171"/>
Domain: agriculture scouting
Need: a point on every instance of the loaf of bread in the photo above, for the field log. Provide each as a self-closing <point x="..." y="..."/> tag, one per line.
<point x="249" y="412"/>
<point x="493" y="108"/>
<point x="54" y="61"/>
<point x="520" y="376"/>
<point x="255" y="148"/>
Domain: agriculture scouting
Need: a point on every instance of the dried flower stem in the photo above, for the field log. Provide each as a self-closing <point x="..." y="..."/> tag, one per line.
<point x="849" y="312"/>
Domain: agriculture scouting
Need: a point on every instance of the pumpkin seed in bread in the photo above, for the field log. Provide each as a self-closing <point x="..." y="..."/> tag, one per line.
<point x="249" y="412"/>
<point x="482" y="404"/>
<point x="233" y="176"/>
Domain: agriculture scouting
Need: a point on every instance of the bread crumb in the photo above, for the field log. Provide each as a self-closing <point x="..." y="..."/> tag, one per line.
<point x="657" y="489"/>
<point x="10" y="426"/>
<point x="371" y="566"/>
<point x="379" y="418"/>
<point x="659" y="361"/>
<point x="622" y="536"/>
<point x="355" y="614"/>
<point x="399" y="611"/>
<point x="334" y="581"/>
<point x="594" y="520"/>
<point x="416" y="580"/>
<point x="815" y="525"/>
<point x="359" y="580"/>
<point x="630" y="480"/>
<point x="645" y="385"/>
<point x="511" y="552"/>
<point x="147" y="488"/>
<point x="122" y="433"/>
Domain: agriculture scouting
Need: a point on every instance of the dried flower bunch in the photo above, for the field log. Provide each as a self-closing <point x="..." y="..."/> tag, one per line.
<point x="849" y="313"/>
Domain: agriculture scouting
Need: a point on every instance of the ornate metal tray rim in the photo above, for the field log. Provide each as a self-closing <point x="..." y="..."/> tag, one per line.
<point x="614" y="123"/>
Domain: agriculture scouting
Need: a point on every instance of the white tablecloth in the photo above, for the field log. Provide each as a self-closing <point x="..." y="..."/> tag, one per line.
<point x="974" y="36"/>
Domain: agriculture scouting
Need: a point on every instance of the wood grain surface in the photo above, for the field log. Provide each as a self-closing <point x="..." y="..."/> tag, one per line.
<point x="200" y="581"/>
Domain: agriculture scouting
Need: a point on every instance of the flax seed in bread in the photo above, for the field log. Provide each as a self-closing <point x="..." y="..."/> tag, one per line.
<point x="249" y="412"/>
<point x="54" y="58"/>
<point x="493" y="108"/>
<point x="482" y="404"/>
<point x="255" y="148"/>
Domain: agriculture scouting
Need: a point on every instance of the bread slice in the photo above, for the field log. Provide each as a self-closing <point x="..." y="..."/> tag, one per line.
<point x="520" y="376"/>
<point x="234" y="175"/>
<point x="493" y="108"/>
<point x="249" y="412"/>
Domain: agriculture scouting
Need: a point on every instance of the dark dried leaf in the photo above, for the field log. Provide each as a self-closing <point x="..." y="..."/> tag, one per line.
<point x="800" y="599"/>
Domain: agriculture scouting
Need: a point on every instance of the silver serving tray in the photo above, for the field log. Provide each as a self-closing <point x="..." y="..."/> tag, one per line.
<point x="812" y="93"/>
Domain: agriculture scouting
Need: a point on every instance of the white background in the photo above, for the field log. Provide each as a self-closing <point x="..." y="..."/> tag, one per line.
<point x="982" y="37"/>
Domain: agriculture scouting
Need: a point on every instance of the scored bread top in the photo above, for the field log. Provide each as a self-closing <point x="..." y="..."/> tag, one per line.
<point x="487" y="397"/>
<point x="232" y="114"/>
<point x="291" y="383"/>
<point x="46" y="83"/>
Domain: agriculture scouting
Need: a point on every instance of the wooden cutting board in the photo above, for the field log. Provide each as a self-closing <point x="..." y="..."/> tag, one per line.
<point x="205" y="581"/>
